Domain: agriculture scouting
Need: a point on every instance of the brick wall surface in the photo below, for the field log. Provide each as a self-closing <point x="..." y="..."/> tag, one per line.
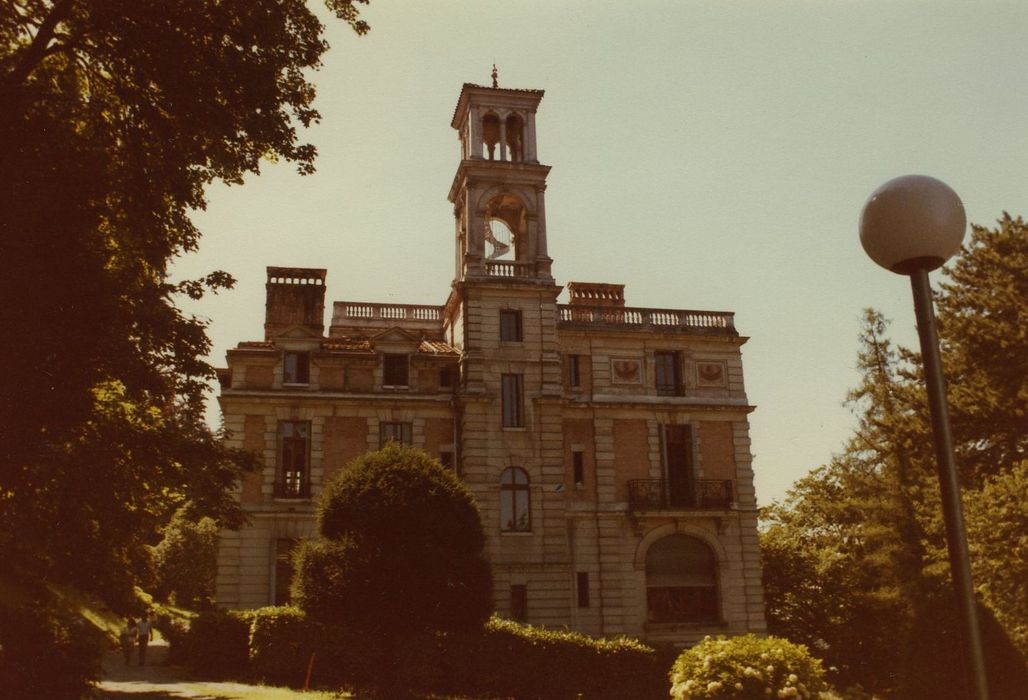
<point x="254" y="436"/>
<point x="631" y="448"/>
<point x="717" y="449"/>
<point x="344" y="438"/>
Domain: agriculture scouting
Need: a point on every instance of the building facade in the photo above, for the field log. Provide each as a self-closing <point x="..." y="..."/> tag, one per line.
<point x="607" y="445"/>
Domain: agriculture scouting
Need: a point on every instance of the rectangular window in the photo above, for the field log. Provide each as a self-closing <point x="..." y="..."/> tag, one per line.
<point x="446" y="458"/>
<point x="510" y="325"/>
<point x="446" y="376"/>
<point x="681" y="485"/>
<point x="574" y="380"/>
<point x="582" y="587"/>
<point x="293" y="457"/>
<point x="669" y="376"/>
<point x="519" y="602"/>
<point x="283" y="571"/>
<point x="296" y="368"/>
<point x="510" y="390"/>
<point x="578" y="466"/>
<point x="394" y="432"/>
<point x="394" y="370"/>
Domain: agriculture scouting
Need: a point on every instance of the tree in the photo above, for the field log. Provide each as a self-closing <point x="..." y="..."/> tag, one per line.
<point x="983" y="324"/>
<point x="997" y="524"/>
<point x="855" y="556"/>
<point x="400" y="557"/>
<point x="401" y="549"/>
<point x="114" y="117"/>
<point x="186" y="559"/>
<point x="830" y="552"/>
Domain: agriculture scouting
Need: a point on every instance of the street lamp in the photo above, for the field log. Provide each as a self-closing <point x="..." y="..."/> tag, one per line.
<point x="910" y="226"/>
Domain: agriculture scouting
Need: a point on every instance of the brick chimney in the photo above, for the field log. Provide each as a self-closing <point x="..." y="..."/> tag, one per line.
<point x="296" y="297"/>
<point x="597" y="294"/>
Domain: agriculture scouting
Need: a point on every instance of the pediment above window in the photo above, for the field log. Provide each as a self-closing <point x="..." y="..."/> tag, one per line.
<point x="396" y="340"/>
<point x="298" y="332"/>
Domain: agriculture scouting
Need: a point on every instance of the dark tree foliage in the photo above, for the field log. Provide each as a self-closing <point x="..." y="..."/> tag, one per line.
<point x="401" y="549"/>
<point x="45" y="651"/>
<point x="855" y="557"/>
<point x="997" y="526"/>
<point x="983" y="323"/>
<point x="935" y="665"/>
<point x="185" y="561"/>
<point x="114" y="116"/>
<point x="832" y="573"/>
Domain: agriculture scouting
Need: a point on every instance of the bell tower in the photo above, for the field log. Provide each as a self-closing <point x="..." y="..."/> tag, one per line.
<point x="497" y="193"/>
<point x="502" y="317"/>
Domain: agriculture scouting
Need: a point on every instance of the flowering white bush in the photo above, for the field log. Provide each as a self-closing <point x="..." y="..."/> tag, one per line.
<point x="748" y="668"/>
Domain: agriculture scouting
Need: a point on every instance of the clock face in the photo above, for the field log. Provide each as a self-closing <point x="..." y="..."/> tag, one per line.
<point x="500" y="240"/>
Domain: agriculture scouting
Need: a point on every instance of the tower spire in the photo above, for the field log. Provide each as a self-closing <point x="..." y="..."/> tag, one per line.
<point x="495" y="83"/>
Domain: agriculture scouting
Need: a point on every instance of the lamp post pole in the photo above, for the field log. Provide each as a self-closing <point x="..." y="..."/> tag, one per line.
<point x="912" y="225"/>
<point x="952" y="508"/>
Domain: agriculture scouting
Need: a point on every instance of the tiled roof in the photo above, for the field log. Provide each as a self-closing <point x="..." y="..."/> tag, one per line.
<point x="435" y="347"/>
<point x="465" y="86"/>
<point x="358" y="344"/>
<point x="348" y="344"/>
<point x="490" y="87"/>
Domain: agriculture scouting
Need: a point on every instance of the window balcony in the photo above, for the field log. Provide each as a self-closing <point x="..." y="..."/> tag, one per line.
<point x="661" y="494"/>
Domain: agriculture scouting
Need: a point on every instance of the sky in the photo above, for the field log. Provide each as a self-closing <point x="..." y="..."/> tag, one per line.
<point x="708" y="155"/>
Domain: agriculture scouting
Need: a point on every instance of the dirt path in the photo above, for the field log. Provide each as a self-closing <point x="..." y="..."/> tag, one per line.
<point x="158" y="681"/>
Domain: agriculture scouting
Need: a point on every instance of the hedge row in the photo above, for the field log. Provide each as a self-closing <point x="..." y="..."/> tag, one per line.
<point x="216" y="643"/>
<point x="505" y="659"/>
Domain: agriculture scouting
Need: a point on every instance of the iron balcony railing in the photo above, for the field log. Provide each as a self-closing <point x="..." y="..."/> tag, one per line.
<point x="661" y="494"/>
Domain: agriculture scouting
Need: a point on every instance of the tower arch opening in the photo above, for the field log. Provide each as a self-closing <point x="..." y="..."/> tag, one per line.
<point x="490" y="134"/>
<point x="515" y="133"/>
<point x="505" y="228"/>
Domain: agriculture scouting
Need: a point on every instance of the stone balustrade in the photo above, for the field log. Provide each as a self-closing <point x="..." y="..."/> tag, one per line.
<point x="361" y="315"/>
<point x="508" y="268"/>
<point x="660" y="320"/>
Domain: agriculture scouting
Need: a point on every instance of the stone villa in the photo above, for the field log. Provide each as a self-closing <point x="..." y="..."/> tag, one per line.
<point x="607" y="445"/>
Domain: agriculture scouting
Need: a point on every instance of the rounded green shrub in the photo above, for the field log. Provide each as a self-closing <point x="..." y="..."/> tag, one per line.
<point x="401" y="549"/>
<point x="747" y="668"/>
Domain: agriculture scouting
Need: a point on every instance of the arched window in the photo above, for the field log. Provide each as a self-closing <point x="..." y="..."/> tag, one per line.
<point x="514" y="501"/>
<point x="515" y="138"/>
<point x="681" y="581"/>
<point x="490" y="135"/>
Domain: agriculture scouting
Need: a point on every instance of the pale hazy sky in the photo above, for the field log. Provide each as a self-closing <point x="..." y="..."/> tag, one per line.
<point x="708" y="155"/>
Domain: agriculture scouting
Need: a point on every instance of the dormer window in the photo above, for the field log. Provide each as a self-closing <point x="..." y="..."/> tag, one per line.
<point x="395" y="370"/>
<point x="296" y="368"/>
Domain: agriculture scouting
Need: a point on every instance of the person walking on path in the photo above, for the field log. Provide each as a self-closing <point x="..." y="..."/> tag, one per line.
<point x="128" y="639"/>
<point x="144" y="632"/>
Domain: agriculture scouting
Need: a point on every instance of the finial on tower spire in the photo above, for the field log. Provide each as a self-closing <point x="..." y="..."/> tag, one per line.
<point x="495" y="84"/>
